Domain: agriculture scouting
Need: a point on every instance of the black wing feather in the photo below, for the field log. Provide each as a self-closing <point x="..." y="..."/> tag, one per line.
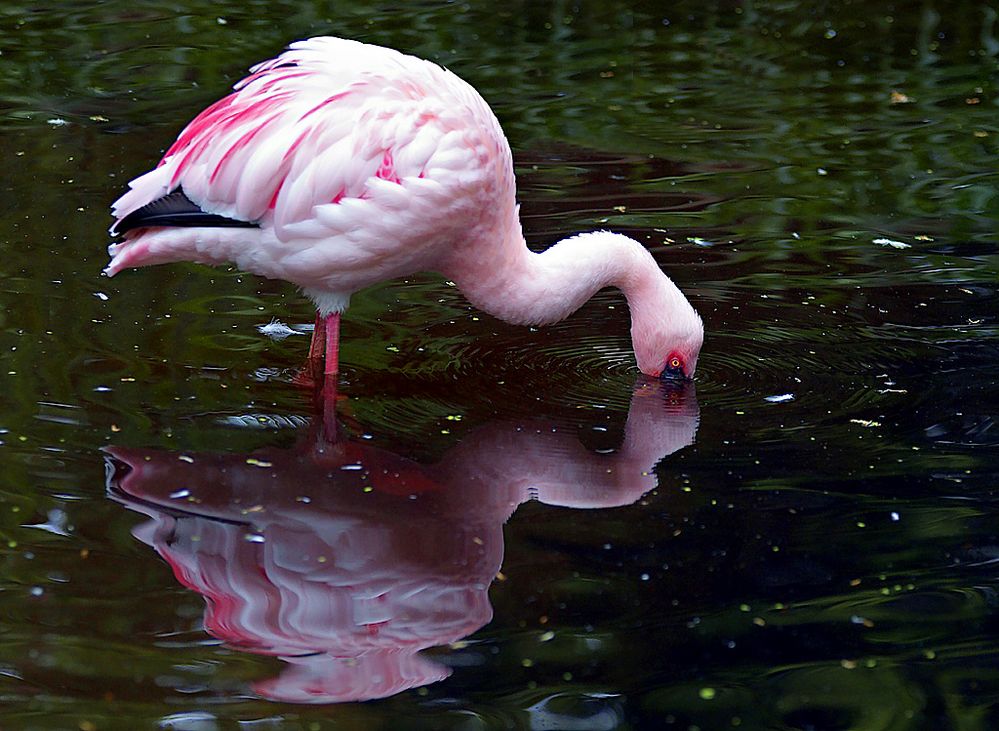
<point x="175" y="209"/>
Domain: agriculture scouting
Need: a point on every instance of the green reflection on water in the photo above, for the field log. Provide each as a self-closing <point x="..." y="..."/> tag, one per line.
<point x="760" y="149"/>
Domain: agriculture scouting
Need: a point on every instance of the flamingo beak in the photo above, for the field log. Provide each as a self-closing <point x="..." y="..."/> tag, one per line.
<point x="673" y="374"/>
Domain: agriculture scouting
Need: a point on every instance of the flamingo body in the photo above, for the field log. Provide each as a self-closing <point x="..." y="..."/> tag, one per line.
<point x="340" y="164"/>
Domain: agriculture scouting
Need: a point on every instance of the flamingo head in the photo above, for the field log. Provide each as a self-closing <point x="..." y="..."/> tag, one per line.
<point x="668" y="343"/>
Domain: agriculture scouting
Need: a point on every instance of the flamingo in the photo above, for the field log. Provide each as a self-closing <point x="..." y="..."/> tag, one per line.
<point x="339" y="164"/>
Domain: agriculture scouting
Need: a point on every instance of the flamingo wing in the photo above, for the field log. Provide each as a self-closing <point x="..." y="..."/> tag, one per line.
<point x="328" y="120"/>
<point x="174" y="209"/>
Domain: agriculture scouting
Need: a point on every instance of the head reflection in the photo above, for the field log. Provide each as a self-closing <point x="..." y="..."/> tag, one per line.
<point x="346" y="560"/>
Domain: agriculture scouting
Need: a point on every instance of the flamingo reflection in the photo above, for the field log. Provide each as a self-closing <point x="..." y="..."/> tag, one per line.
<point x="345" y="560"/>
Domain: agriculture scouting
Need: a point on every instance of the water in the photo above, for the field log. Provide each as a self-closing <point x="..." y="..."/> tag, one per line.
<point x="516" y="531"/>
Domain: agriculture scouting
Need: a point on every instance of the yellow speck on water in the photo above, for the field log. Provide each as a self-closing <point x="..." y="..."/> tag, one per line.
<point x="707" y="694"/>
<point x="367" y="488"/>
<point x="759" y="621"/>
<point x="88" y="726"/>
<point x="258" y="462"/>
<point x="500" y="576"/>
<point x="620" y="209"/>
<point x="848" y="664"/>
<point x="115" y="428"/>
<point x="84" y="552"/>
<point x="930" y="655"/>
<point x="185" y="458"/>
<point x="527" y="662"/>
<point x="546" y="636"/>
<point x="743" y="607"/>
<point x="459" y="645"/>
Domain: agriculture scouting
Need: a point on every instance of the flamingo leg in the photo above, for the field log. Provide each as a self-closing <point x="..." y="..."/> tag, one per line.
<point x="331" y="333"/>
<point x="331" y="368"/>
<point x="318" y="345"/>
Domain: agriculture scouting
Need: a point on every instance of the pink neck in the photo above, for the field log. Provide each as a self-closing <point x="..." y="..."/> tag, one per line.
<point x="522" y="287"/>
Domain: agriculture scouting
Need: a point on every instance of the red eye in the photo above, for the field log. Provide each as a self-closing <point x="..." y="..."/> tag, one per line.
<point x="675" y="362"/>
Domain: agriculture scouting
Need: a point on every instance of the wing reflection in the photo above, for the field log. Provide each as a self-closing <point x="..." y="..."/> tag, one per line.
<point x="346" y="560"/>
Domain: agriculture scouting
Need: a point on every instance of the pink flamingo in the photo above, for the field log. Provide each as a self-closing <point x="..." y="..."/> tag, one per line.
<point x="339" y="164"/>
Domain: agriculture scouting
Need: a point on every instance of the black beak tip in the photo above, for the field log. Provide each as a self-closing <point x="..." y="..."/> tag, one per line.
<point x="673" y="375"/>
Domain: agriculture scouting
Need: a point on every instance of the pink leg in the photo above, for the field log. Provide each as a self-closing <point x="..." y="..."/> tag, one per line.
<point x="318" y="345"/>
<point x="331" y="328"/>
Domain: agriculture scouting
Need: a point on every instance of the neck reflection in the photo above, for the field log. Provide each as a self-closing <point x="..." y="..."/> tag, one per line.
<point x="345" y="560"/>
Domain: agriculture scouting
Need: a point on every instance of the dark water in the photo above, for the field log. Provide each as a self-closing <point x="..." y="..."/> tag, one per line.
<point x="515" y="530"/>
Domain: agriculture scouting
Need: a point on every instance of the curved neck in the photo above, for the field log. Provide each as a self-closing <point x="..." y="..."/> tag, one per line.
<point x="527" y="288"/>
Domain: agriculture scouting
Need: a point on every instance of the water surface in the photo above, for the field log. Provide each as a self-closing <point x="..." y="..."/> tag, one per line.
<point x="518" y="532"/>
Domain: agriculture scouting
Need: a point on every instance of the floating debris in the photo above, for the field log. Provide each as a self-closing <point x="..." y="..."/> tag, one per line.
<point x="780" y="398"/>
<point x="892" y="243"/>
<point x="277" y="330"/>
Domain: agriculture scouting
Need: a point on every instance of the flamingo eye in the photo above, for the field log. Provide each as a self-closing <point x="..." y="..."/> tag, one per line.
<point x="673" y="369"/>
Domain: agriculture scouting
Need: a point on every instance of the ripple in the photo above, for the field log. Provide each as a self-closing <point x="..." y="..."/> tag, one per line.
<point x="265" y="421"/>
